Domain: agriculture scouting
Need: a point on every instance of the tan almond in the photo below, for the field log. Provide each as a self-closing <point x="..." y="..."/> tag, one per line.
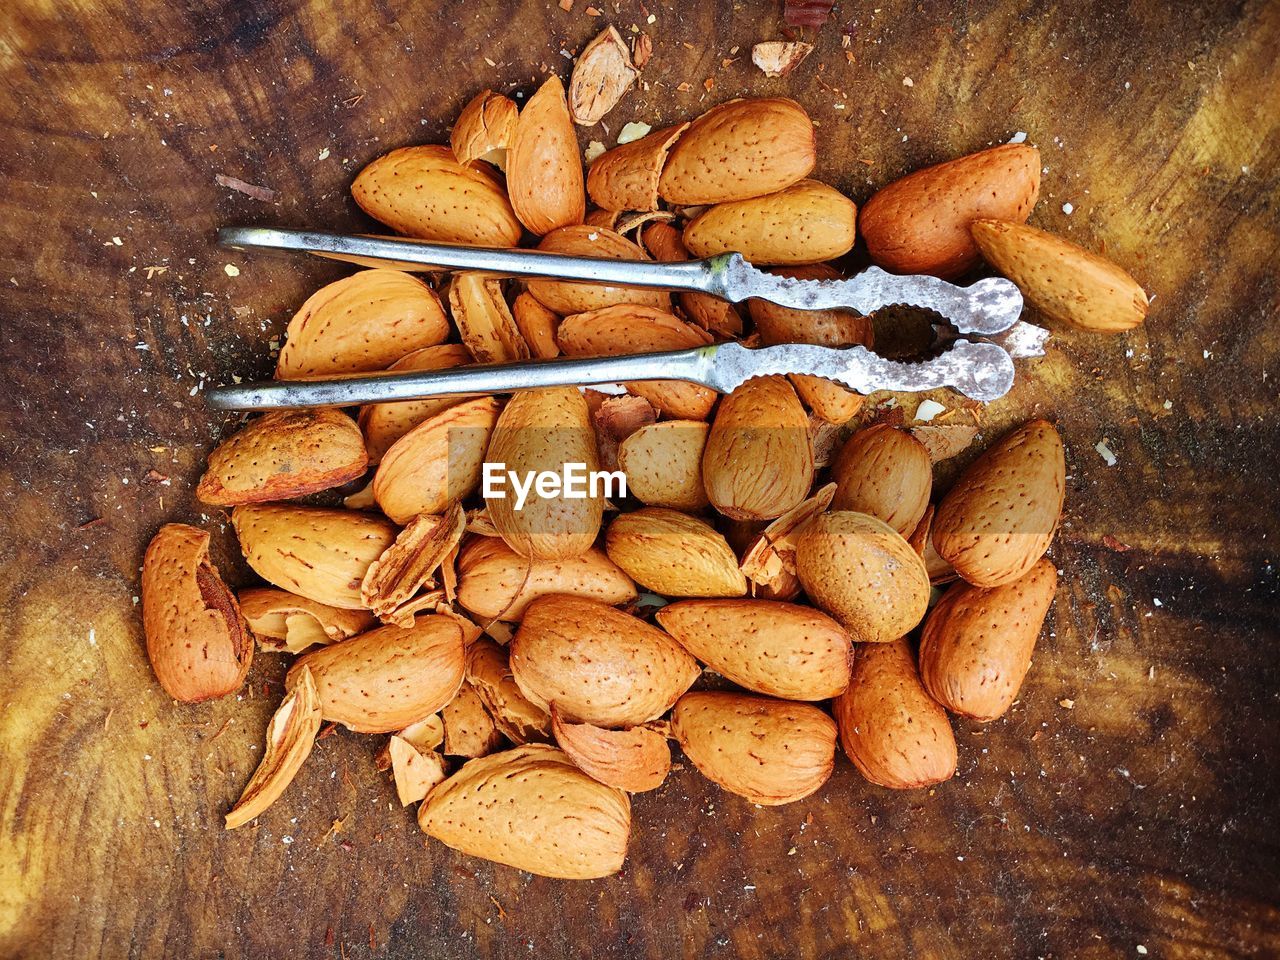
<point x="289" y="623"/>
<point x="626" y="177"/>
<point x="565" y="297"/>
<point x="542" y="431"/>
<point x="362" y="323"/>
<point x="489" y="673"/>
<point x="628" y="329"/>
<point x="416" y="773"/>
<point x="885" y="472"/>
<point x="712" y="314"/>
<point x="769" y="559"/>
<point x="663" y="464"/>
<point x="497" y="808"/>
<point x="316" y="552"/>
<point x="770" y="751"/>
<point x="602" y="73"/>
<point x="861" y="571"/>
<point x="198" y="642"/>
<point x="495" y="582"/>
<point x="674" y="554"/>
<point x="779" y="649"/>
<point x="388" y="678"/>
<point x="385" y="423"/>
<point x="407" y="565"/>
<point x="425" y="192"/>
<point x="758" y="462"/>
<point x="596" y="664"/>
<point x="484" y="129"/>
<point x="484" y="320"/>
<point x="544" y="171"/>
<point x="438" y="462"/>
<point x="633" y="760"/>
<point x="469" y="731"/>
<point x="808" y="222"/>
<point x="740" y="149"/>
<point x="893" y="731"/>
<point x="537" y="325"/>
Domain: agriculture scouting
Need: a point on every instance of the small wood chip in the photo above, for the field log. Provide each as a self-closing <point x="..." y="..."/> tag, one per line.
<point x="265" y="194"/>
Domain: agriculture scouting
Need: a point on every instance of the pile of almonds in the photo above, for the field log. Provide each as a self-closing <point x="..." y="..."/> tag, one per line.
<point x="522" y="641"/>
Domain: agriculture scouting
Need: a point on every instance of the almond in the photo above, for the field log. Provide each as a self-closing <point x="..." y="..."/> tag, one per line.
<point x="385" y="423"/>
<point x="484" y="129"/>
<point x="808" y="222"/>
<point x="976" y="646"/>
<point x="284" y="455"/>
<point x="616" y="418"/>
<point x="489" y="672"/>
<point x="1064" y="281"/>
<point x="438" y="462"/>
<point x="738" y="150"/>
<point x="361" y="323"/>
<point x="627" y="329"/>
<point x="537" y="325"/>
<point x="532" y="809"/>
<point x="425" y="192"/>
<point x="601" y="75"/>
<point x="388" y="678"/>
<point x="316" y="552"/>
<point x="861" y="571"/>
<point x="663" y="464"/>
<point x="769" y="559"/>
<point x="626" y="177"/>
<point x="778" y="649"/>
<point x="920" y="224"/>
<point x="198" y="642"/>
<point x="289" y="623"/>
<point x="893" y="731"/>
<point x="829" y="328"/>
<point x="999" y="518"/>
<point x="596" y="664"/>
<point x="543" y="430"/>
<point x="885" y="472"/>
<point x="674" y="554"/>
<point x="758" y="462"/>
<point x="565" y="297"/>
<point x="495" y="582"/>
<point x="712" y="314"/>
<point x="770" y="751"/>
<point x="633" y="760"/>
<point x="484" y="320"/>
<point x="544" y="173"/>
<point x="469" y="731"/>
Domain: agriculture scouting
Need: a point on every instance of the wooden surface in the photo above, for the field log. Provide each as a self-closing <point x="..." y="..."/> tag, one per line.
<point x="1128" y="804"/>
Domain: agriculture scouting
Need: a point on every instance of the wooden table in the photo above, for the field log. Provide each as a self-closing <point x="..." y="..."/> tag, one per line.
<point x="1126" y="807"/>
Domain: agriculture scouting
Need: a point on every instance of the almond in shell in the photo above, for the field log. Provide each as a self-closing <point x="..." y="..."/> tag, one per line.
<point x="674" y="554"/>
<point x="633" y="760"/>
<point x="596" y="664"/>
<point x="663" y="464"/>
<point x="385" y="423"/>
<point x="712" y="314"/>
<point x="808" y="222"/>
<point x="489" y="673"/>
<point x="484" y="320"/>
<point x="537" y="324"/>
<point x="769" y="557"/>
<point x="500" y="808"/>
<point x="289" y="623"/>
<point x="770" y="751"/>
<point x="484" y="129"/>
<point x="566" y="297"/>
<point x="885" y="472"/>
<point x="198" y="642"/>
<point x="893" y="731"/>
<point x="626" y="177"/>
<point x="469" y="731"/>
<point x="544" y="172"/>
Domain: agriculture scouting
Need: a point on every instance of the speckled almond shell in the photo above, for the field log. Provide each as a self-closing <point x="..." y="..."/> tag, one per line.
<point x="740" y="149"/>
<point x="1070" y="284"/>
<point x="316" y="552"/>
<point x="808" y="222"/>
<point x="778" y="649"/>
<point x="758" y="461"/>
<point x="469" y="730"/>
<point x="489" y="672"/>
<point x="385" y="423"/>
<point x="544" y="168"/>
<point x="284" y="455"/>
<point x="438" y="462"/>
<point x="999" y="517"/>
<point x="712" y="314"/>
<point x="537" y="324"/>
<point x="920" y="223"/>
<point x="487" y="123"/>
<point x="273" y="614"/>
<point x="531" y="808"/>
<point x="425" y="192"/>
<point x="663" y="464"/>
<point x="626" y="177"/>
<point x="976" y="645"/>
<point x="893" y="731"/>
<point x="388" y="678"/>
<point x="360" y="323"/>
<point x="198" y="642"/>
<point x="628" y="328"/>
<point x="770" y="751"/>
<point x="633" y="760"/>
<point x="542" y="430"/>
<point x="673" y="554"/>
<point x="495" y="582"/>
<point x="484" y="320"/>
<point x="887" y="473"/>
<point x="861" y="571"/>
<point x="597" y="664"/>
<point x="582" y="240"/>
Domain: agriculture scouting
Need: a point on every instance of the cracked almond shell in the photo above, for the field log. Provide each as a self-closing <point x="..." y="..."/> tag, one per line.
<point x="602" y="73"/>
<point x="484" y="128"/>
<point x="290" y="623"/>
<point x="626" y="177"/>
<point x="673" y="554"/>
<point x="484" y="320"/>
<point x="633" y="760"/>
<point x="489" y="672"/>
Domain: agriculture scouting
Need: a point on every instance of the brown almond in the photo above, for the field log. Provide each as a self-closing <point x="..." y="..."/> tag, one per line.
<point x="537" y="325"/>
<point x="885" y="472"/>
<point x="663" y="464"/>
<point x="544" y="171"/>
<point x="674" y="554"/>
<point x="808" y="222"/>
<point x="566" y="297"/>
<point x="385" y="423"/>
<point x="712" y="314"/>
<point x="626" y="177"/>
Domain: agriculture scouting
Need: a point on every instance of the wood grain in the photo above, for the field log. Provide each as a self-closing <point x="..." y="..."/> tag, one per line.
<point x="1144" y="814"/>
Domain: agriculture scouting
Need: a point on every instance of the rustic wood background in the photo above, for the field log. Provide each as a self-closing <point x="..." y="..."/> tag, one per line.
<point x="1126" y="807"/>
